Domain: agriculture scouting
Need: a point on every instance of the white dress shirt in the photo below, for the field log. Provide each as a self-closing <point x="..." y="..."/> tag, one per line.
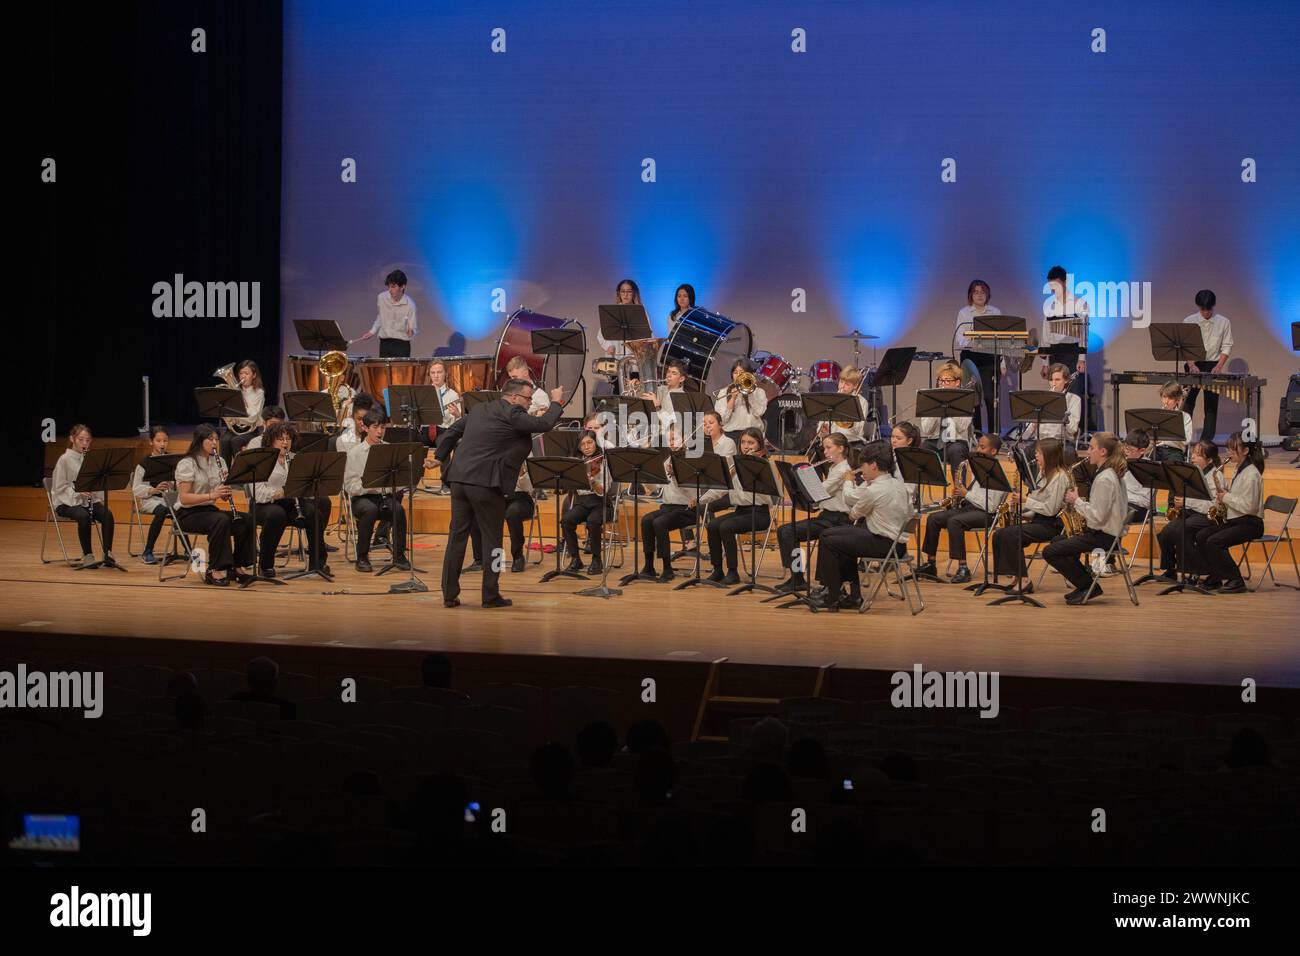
<point x="146" y="500"/>
<point x="618" y="345"/>
<point x="976" y="496"/>
<point x="395" y="320"/>
<point x="738" y="497"/>
<point x="204" y="477"/>
<point x="742" y="416"/>
<point x="1138" y="497"/>
<point x="722" y="445"/>
<point x="348" y="437"/>
<point x="254" y="399"/>
<point x="1246" y="493"/>
<point x="1055" y="309"/>
<point x="839" y="476"/>
<point x="1073" y="415"/>
<point x="65" y="475"/>
<point x="885" y="503"/>
<point x="1214" y="480"/>
<point x="966" y="321"/>
<point x="1106" y="505"/>
<point x="855" y="431"/>
<point x="1187" y="435"/>
<point x="540" y="401"/>
<point x="1216" y="334"/>
<point x="667" y="417"/>
<point x="1048" y="499"/>
<point x="266" y="490"/>
<point x="355" y="468"/>
<point x="947" y="429"/>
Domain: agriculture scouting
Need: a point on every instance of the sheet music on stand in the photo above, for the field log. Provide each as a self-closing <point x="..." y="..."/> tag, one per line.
<point x="811" y="483"/>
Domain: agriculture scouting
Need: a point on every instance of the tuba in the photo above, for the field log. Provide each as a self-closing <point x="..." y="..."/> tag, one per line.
<point x="642" y="357"/>
<point x="227" y="374"/>
<point x="333" y="367"/>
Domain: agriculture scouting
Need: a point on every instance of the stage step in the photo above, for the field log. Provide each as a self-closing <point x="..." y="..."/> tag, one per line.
<point x="745" y="690"/>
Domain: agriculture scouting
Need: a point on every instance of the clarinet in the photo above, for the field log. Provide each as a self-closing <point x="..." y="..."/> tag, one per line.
<point x="288" y="457"/>
<point x="222" y="472"/>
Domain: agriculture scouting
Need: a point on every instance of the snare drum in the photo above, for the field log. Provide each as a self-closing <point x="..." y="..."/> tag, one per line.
<point x="774" y="374"/>
<point x="708" y="344"/>
<point x="825" y="376"/>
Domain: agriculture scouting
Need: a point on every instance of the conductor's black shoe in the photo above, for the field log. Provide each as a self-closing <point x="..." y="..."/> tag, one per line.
<point x="402" y="564"/>
<point x="1233" y="587"/>
<point x="961" y="577"/>
<point x="498" y="602"/>
<point x="666" y="575"/>
<point x="517" y="565"/>
<point x="363" y="566"/>
<point x="716" y="577"/>
<point x="476" y="566"/>
<point x="451" y="602"/>
<point x="731" y="579"/>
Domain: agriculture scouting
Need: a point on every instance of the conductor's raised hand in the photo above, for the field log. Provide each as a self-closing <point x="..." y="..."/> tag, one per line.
<point x="557" y="394"/>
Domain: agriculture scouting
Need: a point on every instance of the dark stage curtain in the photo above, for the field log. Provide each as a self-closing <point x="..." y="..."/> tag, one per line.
<point x="168" y="161"/>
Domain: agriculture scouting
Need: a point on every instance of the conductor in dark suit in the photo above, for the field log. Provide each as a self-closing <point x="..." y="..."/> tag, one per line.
<point x="491" y="443"/>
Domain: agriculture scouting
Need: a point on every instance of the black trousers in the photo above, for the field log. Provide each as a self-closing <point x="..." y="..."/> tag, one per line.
<point x="484" y="507"/>
<point x="724" y="529"/>
<point x="1171" y="542"/>
<point x="658" y="525"/>
<point x="1213" y="544"/>
<point x="1211" y="425"/>
<point x="519" y="508"/>
<point x="1009" y="543"/>
<point x="1168" y="453"/>
<point x="839" y="550"/>
<point x="394" y="348"/>
<point x="790" y="537"/>
<point x="1064" y="555"/>
<point x="218" y="527"/>
<point x="366" y="510"/>
<point x="274" y="517"/>
<point x="953" y="454"/>
<point x="711" y="511"/>
<point x="589" y="510"/>
<point x="83" y="517"/>
<point x="232" y="444"/>
<point x="956" y="521"/>
<point x="155" y="527"/>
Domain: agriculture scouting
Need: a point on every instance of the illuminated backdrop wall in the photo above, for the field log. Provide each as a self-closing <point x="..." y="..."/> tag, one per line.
<point x="778" y="170"/>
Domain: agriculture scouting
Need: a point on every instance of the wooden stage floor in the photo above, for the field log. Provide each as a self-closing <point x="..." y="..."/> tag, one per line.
<point x="1174" y="639"/>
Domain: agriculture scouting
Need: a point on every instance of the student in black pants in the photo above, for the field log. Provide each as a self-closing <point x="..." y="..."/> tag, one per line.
<point x="834" y="513"/>
<point x="588" y="508"/>
<point x="751" y="513"/>
<point x="1041" y="509"/>
<point x="1244" y="501"/>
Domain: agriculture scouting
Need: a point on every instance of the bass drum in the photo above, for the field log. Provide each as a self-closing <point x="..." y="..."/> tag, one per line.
<point x="709" y="344"/>
<point x="517" y="340"/>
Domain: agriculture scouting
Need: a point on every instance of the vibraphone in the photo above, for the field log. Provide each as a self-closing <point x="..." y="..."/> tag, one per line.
<point x="1238" y="387"/>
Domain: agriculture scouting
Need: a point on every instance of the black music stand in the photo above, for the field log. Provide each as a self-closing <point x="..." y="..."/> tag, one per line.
<point x="1151" y="476"/>
<point x="319" y="335"/>
<point x="810" y="499"/>
<point x="638" y="467"/>
<point x="478" y="397"/>
<point x="316" y="475"/>
<point x="312" y="441"/>
<point x="944" y="403"/>
<point x="384" y="465"/>
<point x="623" y="323"/>
<point x="1185" y="481"/>
<point x="220" y="402"/>
<point x="754" y="474"/>
<point x="706" y="471"/>
<point x="987" y="470"/>
<point x="1008" y="327"/>
<point x="891" y="373"/>
<point x="560" y="342"/>
<point x="1176" y="342"/>
<point x="309" y="408"/>
<point x="831" y="407"/>
<point x="420" y="406"/>
<point x="920" y="466"/>
<point x="104" y="469"/>
<point x="253" y="466"/>
<point x="157" y="469"/>
<point x="1038" y="406"/>
<point x="558" y="475"/>
<point x="694" y="404"/>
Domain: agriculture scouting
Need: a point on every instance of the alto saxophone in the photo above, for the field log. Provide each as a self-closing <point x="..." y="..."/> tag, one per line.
<point x="953" y="500"/>
<point x="1218" y="512"/>
<point x="1073" y="521"/>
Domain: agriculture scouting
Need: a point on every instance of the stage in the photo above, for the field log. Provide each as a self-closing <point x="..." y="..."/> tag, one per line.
<point x="1177" y="639"/>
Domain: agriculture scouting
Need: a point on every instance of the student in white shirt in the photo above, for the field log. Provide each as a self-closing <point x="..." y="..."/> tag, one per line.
<point x="1136" y="444"/>
<point x="518" y="370"/>
<point x="750" y="513"/>
<point x="1041" y="511"/>
<point x="719" y="444"/>
<point x="451" y="410"/>
<point x="856" y="432"/>
<point x="738" y="410"/>
<point x="1067" y="430"/>
<point x="1061" y="305"/>
<point x="1194" y="517"/>
<point x="370" y="504"/>
<point x="587" y="507"/>
<point x="1216" y="335"/>
<point x="951" y="437"/>
<point x="395" y="321"/>
<point x="884" y="502"/>
<point x="1103" y="512"/>
<point x="242" y="430"/>
<point x="906" y="435"/>
<point x="352" y="433"/>
<point x="674" y="384"/>
<point x="149" y="498"/>
<point x="799" y="535"/>
<point x="627" y="293"/>
<point x="1244" y="499"/>
<point x="1169" y="449"/>
<point x="676" y="512"/>
<point x="275" y="512"/>
<point x="82" y="507"/>
<point x="271" y="415"/>
<point x="967" y="351"/>
<point x="974" y="510"/>
<point x="205" y="505"/>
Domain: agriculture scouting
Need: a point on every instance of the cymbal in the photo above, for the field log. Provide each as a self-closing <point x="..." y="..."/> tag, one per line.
<point x="855" y="335"/>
